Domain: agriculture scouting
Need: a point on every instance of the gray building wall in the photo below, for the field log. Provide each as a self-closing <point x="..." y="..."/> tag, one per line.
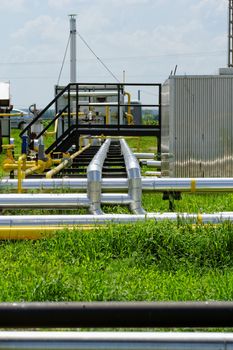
<point x="197" y="126"/>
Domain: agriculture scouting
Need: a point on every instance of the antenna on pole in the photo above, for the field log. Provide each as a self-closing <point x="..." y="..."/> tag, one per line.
<point x="73" y="59"/>
<point x="230" y="35"/>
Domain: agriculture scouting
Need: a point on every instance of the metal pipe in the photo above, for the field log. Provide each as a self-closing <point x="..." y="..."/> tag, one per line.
<point x="37" y="168"/>
<point x="151" y="163"/>
<point x="187" y="185"/>
<point x="32" y="233"/>
<point x="115" y="340"/>
<point x="134" y="178"/>
<point x="153" y="173"/>
<point x="94" y="178"/>
<point x="21" y="167"/>
<point x="100" y="219"/>
<point x="114" y="314"/>
<point x="57" y="200"/>
<point x="72" y="48"/>
<point x="144" y="155"/>
<point x="66" y="162"/>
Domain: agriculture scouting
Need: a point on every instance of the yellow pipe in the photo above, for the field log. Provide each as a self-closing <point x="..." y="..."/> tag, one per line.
<point x="34" y="232"/>
<point x="8" y="147"/>
<point x="129" y="115"/>
<point x="11" y="114"/>
<point x="36" y="168"/>
<point x="14" y="166"/>
<point x="65" y="162"/>
<point x="107" y="112"/>
<point x="52" y="133"/>
<point x="130" y="120"/>
<point x="21" y="169"/>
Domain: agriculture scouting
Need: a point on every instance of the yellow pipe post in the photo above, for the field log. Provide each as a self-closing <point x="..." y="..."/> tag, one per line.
<point x="107" y="113"/>
<point x="128" y="114"/>
<point x="21" y="167"/>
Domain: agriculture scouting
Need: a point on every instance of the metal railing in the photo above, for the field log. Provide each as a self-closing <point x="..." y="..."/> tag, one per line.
<point x="71" y="94"/>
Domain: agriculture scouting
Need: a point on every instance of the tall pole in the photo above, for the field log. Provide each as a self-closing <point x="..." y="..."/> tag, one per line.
<point x="73" y="48"/>
<point x="230" y="35"/>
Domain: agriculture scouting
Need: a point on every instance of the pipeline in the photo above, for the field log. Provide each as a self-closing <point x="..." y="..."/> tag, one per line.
<point x="66" y="162"/>
<point x="109" y="340"/>
<point x="144" y="155"/>
<point x="134" y="178"/>
<point x="153" y="173"/>
<point x="119" y="314"/>
<point x="94" y="178"/>
<point x="187" y="185"/>
<point x="58" y="200"/>
<point x="151" y="163"/>
<point x="103" y="219"/>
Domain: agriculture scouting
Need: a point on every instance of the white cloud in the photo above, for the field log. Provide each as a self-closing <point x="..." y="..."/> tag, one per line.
<point x="132" y="2"/>
<point x="211" y="6"/>
<point x="43" y="28"/>
<point x="59" y="4"/>
<point x="13" y="5"/>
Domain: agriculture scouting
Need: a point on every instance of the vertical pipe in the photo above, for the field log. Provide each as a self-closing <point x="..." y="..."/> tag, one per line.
<point x="118" y="107"/>
<point x="94" y="178"/>
<point x="160" y="122"/>
<point x="134" y="178"/>
<point x="72" y="48"/>
<point x="21" y="167"/>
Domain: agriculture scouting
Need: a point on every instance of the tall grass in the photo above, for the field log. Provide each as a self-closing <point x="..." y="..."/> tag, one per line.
<point x="146" y="261"/>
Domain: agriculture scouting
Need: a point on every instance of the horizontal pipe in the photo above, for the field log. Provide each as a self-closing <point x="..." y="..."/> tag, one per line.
<point x="153" y="173"/>
<point x="151" y="163"/>
<point x="115" y="340"/>
<point x="33" y="233"/>
<point x="57" y="200"/>
<point x="199" y="185"/>
<point x="114" y="314"/>
<point x="144" y="155"/>
<point x="90" y="219"/>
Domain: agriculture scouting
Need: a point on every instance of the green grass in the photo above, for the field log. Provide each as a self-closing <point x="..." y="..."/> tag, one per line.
<point x="163" y="261"/>
<point x="150" y="261"/>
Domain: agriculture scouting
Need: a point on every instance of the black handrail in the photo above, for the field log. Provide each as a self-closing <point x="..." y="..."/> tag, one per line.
<point x="75" y="87"/>
<point x="44" y="110"/>
<point x="52" y="121"/>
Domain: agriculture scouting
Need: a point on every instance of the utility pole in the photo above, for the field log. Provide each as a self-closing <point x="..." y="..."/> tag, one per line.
<point x="230" y="35"/>
<point x="73" y="48"/>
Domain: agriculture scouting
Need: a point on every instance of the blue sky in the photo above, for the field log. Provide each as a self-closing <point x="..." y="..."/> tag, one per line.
<point x="144" y="38"/>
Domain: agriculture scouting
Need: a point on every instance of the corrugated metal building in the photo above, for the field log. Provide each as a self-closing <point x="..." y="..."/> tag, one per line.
<point x="197" y="126"/>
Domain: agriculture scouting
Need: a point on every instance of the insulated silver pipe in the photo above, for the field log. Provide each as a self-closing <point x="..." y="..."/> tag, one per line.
<point x="57" y="200"/>
<point x="90" y="219"/>
<point x="144" y="155"/>
<point x="115" y="340"/>
<point x="153" y="173"/>
<point x="151" y="163"/>
<point x="198" y="185"/>
<point x="134" y="178"/>
<point x="94" y="177"/>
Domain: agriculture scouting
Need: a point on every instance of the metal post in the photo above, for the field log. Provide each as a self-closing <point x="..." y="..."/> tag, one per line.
<point x="72" y="48"/>
<point x="230" y="35"/>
